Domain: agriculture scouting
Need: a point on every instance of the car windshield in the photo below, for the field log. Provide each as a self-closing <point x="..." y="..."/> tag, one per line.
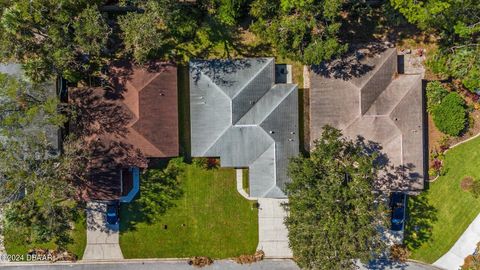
<point x="111" y="214"/>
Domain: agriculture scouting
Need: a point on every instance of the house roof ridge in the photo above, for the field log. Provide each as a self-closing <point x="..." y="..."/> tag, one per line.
<point x="270" y="60"/>
<point x="294" y="86"/>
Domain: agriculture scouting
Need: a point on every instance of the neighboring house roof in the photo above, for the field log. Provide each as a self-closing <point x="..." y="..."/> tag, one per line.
<point x="239" y="114"/>
<point x="52" y="132"/>
<point x="373" y="101"/>
<point x="135" y="117"/>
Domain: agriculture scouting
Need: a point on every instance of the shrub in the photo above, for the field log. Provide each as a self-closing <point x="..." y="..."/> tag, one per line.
<point x="206" y="163"/>
<point x="435" y="94"/>
<point x="444" y="143"/>
<point x="437" y="167"/>
<point x="243" y="259"/>
<point x="200" y="261"/>
<point x="399" y="253"/>
<point x="213" y="163"/>
<point x="467" y="183"/>
<point x="449" y="116"/>
<point x="475" y="188"/>
<point x="472" y="262"/>
<point x="200" y="162"/>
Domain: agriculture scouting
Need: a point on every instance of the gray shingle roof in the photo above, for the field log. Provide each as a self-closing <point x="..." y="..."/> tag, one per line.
<point x="380" y="105"/>
<point x="239" y="114"/>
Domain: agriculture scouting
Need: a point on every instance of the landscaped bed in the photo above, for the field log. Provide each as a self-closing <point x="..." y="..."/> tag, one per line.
<point x="16" y="245"/>
<point x="211" y="219"/>
<point x="450" y="208"/>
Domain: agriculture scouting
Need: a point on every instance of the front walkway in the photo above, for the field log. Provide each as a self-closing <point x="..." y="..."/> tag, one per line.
<point x="102" y="238"/>
<point x="272" y="232"/>
<point x="465" y="245"/>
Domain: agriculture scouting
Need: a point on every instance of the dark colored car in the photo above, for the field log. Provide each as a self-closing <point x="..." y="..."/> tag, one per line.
<point x="397" y="203"/>
<point x="112" y="213"/>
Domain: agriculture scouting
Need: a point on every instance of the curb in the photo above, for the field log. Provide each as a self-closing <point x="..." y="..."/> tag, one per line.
<point x="124" y="261"/>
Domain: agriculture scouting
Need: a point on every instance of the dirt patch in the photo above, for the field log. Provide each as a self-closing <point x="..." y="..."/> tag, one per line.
<point x="436" y="138"/>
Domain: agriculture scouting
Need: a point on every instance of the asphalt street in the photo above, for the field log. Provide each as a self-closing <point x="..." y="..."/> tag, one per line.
<point x="182" y="265"/>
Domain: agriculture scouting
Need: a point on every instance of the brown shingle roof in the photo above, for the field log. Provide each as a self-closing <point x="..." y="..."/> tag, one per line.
<point x="150" y="96"/>
<point x="379" y="105"/>
<point x="136" y="117"/>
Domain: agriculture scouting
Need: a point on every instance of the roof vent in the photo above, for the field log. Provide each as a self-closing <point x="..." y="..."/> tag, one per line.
<point x="271" y="132"/>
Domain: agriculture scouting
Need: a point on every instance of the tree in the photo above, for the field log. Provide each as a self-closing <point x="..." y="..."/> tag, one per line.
<point x="167" y="29"/>
<point x="334" y="212"/>
<point x="457" y="24"/>
<point x="301" y="30"/>
<point x="228" y="11"/>
<point x="145" y="34"/>
<point x="36" y="195"/>
<point x="160" y="189"/>
<point x="449" y="116"/>
<point x="51" y="37"/>
<point x="435" y="94"/>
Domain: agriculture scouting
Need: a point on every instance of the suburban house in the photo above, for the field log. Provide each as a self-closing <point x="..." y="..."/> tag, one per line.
<point x="240" y="113"/>
<point x="366" y="96"/>
<point x="52" y="88"/>
<point x="128" y="123"/>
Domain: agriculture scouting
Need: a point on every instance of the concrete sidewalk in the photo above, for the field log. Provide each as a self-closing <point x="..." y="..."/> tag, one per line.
<point x="272" y="232"/>
<point x="465" y="245"/>
<point x="102" y="238"/>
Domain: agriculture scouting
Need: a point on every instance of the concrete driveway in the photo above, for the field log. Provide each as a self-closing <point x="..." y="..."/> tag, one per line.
<point x="102" y="238"/>
<point x="272" y="233"/>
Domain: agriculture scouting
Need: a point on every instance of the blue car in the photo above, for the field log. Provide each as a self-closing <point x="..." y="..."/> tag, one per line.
<point x="112" y="214"/>
<point x="398" y="205"/>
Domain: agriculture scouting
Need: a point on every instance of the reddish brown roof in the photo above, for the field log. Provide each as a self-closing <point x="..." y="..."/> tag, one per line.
<point x="136" y="117"/>
<point x="151" y="98"/>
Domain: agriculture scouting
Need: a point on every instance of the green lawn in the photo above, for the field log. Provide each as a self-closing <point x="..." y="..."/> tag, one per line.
<point x="453" y="208"/>
<point x="211" y="219"/>
<point x="16" y="245"/>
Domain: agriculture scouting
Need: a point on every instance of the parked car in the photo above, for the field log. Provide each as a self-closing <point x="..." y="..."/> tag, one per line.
<point x="112" y="213"/>
<point x="398" y="206"/>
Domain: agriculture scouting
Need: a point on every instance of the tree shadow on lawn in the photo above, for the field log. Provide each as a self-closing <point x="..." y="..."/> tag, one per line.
<point x="421" y="216"/>
<point x="133" y="213"/>
<point x="166" y="192"/>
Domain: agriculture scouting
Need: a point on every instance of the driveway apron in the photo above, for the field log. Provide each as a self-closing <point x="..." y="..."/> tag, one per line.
<point x="102" y="238"/>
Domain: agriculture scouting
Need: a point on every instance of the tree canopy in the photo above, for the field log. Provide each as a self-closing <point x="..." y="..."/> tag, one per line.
<point x="36" y="192"/>
<point x="334" y="212"/>
<point x="457" y="23"/>
<point x="159" y="189"/>
<point x="306" y="31"/>
<point x="51" y="37"/>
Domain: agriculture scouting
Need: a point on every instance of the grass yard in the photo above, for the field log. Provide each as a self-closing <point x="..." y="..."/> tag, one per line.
<point x="211" y="219"/>
<point x="15" y="245"/>
<point x="451" y="208"/>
